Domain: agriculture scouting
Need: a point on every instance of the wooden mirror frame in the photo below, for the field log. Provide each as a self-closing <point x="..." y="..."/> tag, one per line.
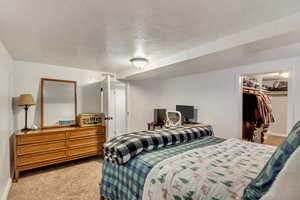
<point x="42" y="102"/>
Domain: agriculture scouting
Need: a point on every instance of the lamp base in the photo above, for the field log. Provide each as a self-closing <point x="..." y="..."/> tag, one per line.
<point x="26" y="129"/>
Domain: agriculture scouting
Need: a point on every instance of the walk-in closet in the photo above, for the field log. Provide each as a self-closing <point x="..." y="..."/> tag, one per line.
<point x="265" y="107"/>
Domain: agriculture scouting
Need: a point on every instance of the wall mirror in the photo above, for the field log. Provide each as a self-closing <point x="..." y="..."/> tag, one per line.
<point x="58" y="103"/>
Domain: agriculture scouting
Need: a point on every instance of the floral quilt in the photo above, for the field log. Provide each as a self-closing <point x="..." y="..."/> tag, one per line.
<point x="215" y="172"/>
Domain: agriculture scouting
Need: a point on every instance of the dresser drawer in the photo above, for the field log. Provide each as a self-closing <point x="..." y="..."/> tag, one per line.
<point x="40" y="157"/>
<point x="41" y="137"/>
<point x="84" y="132"/>
<point x="41" y="147"/>
<point x="87" y="149"/>
<point x="86" y="141"/>
<point x="101" y="129"/>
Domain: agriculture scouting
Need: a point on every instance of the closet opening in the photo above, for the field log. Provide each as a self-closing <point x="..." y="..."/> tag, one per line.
<point x="265" y="107"/>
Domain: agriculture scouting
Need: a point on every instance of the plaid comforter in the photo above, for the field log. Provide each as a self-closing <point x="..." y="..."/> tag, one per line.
<point x="122" y="148"/>
<point x="120" y="182"/>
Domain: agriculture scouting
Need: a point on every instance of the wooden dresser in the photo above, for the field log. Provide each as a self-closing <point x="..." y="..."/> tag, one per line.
<point x="50" y="146"/>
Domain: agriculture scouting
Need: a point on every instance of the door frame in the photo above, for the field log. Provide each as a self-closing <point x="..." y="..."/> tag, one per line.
<point x="110" y="87"/>
<point x="291" y="91"/>
<point x="107" y="81"/>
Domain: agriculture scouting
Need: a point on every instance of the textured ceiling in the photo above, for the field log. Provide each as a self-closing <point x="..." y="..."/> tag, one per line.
<point x="274" y="48"/>
<point x="104" y="35"/>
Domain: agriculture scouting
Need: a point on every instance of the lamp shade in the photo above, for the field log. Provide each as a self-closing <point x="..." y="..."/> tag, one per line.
<point x="26" y="99"/>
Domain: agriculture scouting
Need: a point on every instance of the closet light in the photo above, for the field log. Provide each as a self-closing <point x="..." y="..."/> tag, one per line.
<point x="139" y="62"/>
<point x="284" y="74"/>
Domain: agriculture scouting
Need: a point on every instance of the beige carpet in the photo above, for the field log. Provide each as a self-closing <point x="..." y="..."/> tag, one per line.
<point x="274" y="140"/>
<point x="76" y="180"/>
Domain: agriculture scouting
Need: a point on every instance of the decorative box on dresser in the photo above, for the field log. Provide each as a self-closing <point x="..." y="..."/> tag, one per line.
<point x="35" y="149"/>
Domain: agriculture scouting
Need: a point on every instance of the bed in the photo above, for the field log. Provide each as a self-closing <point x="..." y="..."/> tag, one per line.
<point x="204" y="167"/>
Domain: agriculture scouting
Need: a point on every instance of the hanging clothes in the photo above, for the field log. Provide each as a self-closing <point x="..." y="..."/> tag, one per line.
<point x="250" y="106"/>
<point x="257" y="114"/>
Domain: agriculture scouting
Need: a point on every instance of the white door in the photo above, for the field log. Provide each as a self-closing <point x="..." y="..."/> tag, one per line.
<point x="118" y="109"/>
<point x="105" y="85"/>
<point x="120" y="115"/>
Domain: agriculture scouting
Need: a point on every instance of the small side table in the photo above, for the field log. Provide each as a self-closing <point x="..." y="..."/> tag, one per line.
<point x="152" y="125"/>
<point x="195" y="124"/>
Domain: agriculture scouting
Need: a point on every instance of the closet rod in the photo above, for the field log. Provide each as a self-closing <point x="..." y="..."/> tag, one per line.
<point x="259" y="90"/>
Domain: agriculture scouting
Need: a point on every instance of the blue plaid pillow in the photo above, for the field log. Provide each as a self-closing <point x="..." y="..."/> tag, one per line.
<point x="262" y="183"/>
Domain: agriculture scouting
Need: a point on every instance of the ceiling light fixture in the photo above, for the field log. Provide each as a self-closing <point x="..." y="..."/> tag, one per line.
<point x="139" y="62"/>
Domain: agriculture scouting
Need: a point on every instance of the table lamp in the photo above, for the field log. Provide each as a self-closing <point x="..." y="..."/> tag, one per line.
<point x="26" y="100"/>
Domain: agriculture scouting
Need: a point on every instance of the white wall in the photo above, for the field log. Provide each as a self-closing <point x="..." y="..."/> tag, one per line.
<point x="27" y="77"/>
<point x="6" y="119"/>
<point x="143" y="97"/>
<point x="216" y="95"/>
<point x="280" y="107"/>
<point x="210" y="93"/>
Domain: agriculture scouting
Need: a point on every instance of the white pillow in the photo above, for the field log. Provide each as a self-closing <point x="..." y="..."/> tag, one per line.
<point x="286" y="186"/>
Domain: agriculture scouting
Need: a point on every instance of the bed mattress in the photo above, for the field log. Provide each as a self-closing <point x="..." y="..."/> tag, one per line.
<point x="121" y="182"/>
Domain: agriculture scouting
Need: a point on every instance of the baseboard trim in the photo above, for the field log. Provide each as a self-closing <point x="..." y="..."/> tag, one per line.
<point x="277" y="134"/>
<point x="6" y="190"/>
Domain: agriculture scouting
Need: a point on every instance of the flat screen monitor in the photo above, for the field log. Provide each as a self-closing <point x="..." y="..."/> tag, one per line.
<point x="187" y="112"/>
